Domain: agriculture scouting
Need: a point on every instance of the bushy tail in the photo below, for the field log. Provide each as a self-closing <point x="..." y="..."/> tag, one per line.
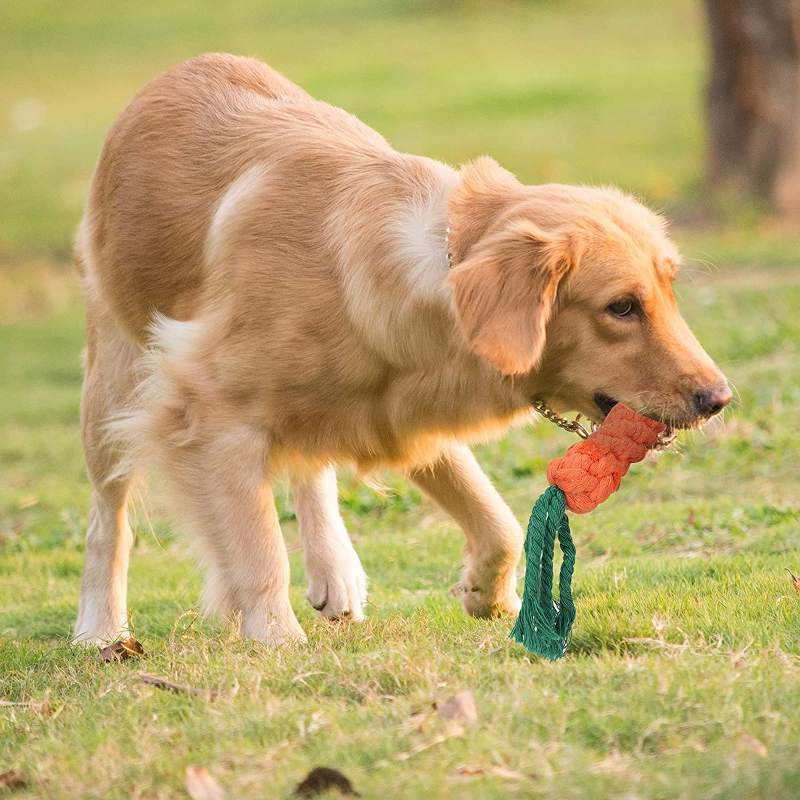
<point x="158" y="412"/>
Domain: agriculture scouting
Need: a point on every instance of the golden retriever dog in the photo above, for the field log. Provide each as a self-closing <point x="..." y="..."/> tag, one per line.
<point x="271" y="288"/>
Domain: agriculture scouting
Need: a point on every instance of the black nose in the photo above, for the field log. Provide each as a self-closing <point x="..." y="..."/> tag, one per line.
<point x="708" y="402"/>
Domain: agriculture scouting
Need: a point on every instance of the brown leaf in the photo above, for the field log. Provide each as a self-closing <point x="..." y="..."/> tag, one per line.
<point x="795" y="580"/>
<point x="459" y="708"/>
<point x="201" y="786"/>
<point x="176" y="688"/>
<point x="323" y="779"/>
<point x="120" y="651"/>
<point x="11" y="779"/>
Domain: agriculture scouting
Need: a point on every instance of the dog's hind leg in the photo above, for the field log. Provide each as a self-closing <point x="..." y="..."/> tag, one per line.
<point x="494" y="537"/>
<point x="337" y="585"/>
<point x="109" y="381"/>
<point x="218" y="470"/>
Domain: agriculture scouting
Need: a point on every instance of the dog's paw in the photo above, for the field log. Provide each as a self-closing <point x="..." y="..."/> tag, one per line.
<point x="275" y="625"/>
<point x="99" y="624"/>
<point x="482" y="599"/>
<point x="337" y="586"/>
<point x="93" y="641"/>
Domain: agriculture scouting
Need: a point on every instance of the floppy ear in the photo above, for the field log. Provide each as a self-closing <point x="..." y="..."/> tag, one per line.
<point x="504" y="292"/>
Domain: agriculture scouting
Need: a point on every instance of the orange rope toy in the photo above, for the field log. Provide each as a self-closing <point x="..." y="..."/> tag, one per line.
<point x="586" y="475"/>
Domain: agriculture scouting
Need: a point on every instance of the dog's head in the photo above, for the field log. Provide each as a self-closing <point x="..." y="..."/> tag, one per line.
<point x="571" y="289"/>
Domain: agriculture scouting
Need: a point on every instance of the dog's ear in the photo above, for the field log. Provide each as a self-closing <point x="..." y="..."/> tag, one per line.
<point x="504" y="291"/>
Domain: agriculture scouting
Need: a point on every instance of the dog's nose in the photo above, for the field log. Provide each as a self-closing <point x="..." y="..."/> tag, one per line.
<point x="708" y="402"/>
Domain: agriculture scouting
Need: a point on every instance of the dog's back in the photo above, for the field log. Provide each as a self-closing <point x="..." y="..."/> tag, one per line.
<point x="167" y="160"/>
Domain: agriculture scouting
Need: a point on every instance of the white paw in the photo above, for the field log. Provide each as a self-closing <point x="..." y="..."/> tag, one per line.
<point x="483" y="597"/>
<point x="99" y="623"/>
<point x="276" y="626"/>
<point x="337" y="583"/>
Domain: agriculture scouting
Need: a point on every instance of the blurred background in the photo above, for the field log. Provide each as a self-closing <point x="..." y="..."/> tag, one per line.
<point x="691" y="105"/>
<point x="595" y="91"/>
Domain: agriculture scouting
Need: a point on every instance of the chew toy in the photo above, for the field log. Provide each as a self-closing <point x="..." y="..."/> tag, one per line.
<point x="586" y="475"/>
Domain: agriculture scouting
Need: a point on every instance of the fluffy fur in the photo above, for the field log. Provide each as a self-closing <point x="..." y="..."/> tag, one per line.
<point x="273" y="278"/>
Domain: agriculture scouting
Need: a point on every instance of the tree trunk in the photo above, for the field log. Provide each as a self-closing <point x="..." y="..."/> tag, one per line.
<point x="753" y="102"/>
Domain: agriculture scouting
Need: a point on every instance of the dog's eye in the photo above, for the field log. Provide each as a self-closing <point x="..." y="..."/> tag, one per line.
<point x="623" y="308"/>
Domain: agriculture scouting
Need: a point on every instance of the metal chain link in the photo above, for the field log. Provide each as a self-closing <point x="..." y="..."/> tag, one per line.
<point x="573" y="426"/>
<point x="664" y="440"/>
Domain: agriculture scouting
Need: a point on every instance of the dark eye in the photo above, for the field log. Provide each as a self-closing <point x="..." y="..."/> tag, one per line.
<point x="623" y="308"/>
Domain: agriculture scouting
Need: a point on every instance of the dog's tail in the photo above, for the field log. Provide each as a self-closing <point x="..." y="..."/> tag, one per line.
<point x="159" y="412"/>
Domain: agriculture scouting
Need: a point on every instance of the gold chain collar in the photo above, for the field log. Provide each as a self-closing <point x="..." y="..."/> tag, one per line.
<point x="664" y="440"/>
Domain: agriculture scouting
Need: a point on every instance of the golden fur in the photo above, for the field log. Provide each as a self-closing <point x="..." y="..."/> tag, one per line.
<point x="285" y="272"/>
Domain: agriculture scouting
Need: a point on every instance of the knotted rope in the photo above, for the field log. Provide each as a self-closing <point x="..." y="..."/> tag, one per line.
<point x="586" y="475"/>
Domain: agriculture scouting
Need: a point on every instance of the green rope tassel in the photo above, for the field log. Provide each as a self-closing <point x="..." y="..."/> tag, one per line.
<point x="544" y="626"/>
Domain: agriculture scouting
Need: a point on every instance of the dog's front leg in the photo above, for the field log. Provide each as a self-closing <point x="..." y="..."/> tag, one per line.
<point x="337" y="585"/>
<point x="494" y="537"/>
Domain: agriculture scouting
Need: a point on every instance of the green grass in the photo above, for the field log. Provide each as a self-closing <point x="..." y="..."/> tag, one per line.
<point x="683" y="679"/>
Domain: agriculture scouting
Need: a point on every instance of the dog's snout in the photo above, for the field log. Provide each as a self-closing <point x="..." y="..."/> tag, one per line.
<point x="710" y="401"/>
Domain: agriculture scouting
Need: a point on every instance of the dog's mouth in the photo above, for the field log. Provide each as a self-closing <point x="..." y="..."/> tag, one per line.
<point x="605" y="403"/>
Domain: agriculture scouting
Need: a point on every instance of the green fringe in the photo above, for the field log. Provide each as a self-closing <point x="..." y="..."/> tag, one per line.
<point x="544" y="626"/>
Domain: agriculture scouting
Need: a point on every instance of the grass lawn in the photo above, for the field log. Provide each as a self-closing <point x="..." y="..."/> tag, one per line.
<point x="683" y="679"/>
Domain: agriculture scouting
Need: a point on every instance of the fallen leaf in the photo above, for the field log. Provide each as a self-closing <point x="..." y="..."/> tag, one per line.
<point x="201" y="786"/>
<point x="11" y="779"/>
<point x="120" y="651"/>
<point x="752" y="745"/>
<point x="176" y="688"/>
<point x="795" y="580"/>
<point x="323" y="779"/>
<point x="459" y="708"/>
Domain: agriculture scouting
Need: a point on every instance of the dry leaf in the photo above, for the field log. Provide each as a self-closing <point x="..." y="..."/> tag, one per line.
<point x="201" y="786"/>
<point x="752" y="745"/>
<point x="120" y="651"/>
<point x="323" y="779"/>
<point x="176" y="688"/>
<point x="795" y="580"/>
<point x="459" y="708"/>
<point x="11" y="779"/>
